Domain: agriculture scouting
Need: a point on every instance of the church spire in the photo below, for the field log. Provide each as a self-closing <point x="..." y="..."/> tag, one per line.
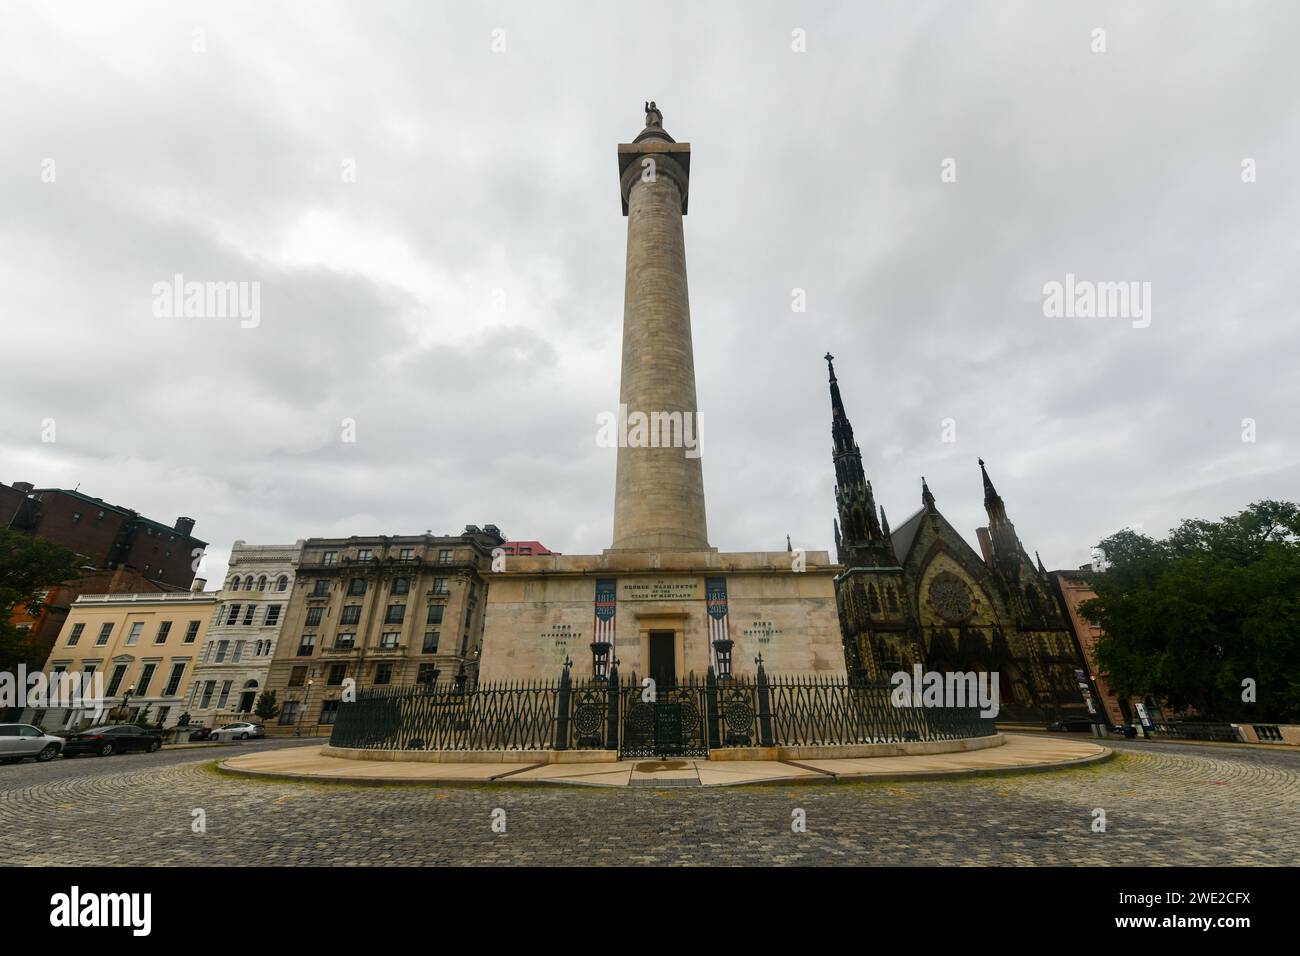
<point x="1002" y="533"/>
<point x="927" y="499"/>
<point x="862" y="543"/>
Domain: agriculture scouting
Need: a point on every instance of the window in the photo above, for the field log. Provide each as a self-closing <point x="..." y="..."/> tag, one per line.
<point x="272" y="614"/>
<point x="428" y="674"/>
<point x="524" y="551"/>
<point x="345" y="642"/>
<point x="261" y="583"/>
<point x="239" y="652"/>
<point x="406" y="554"/>
<point x="314" y="615"/>
<point x="297" y="676"/>
<point x="163" y="712"/>
<point x="435" y="614"/>
<point x="208" y="688"/>
<point x="306" y="644"/>
<point x="337" y="673"/>
<point x="444" y="556"/>
<point x="389" y="639"/>
<point x="401" y="586"/>
<point x="75" y="636"/>
<point x="76" y="517"/>
<point x="221" y="650"/>
<point x="328" y="711"/>
<point x="357" y="586"/>
<point x="248" y="583"/>
<point x="289" y="714"/>
<point x="146" y="678"/>
<point x="233" y="616"/>
<point x="396" y="614"/>
<point x="351" y="614"/>
<point x="234" y="583"/>
<point x="116" y="680"/>
<point x="282" y="583"/>
<point x="164" y="629"/>
<point x="192" y="632"/>
<point x="173" y="682"/>
<point x="225" y="694"/>
<point x="440" y="586"/>
<point x="248" y="615"/>
<point x="322" y="588"/>
<point x="329" y="557"/>
<point x="104" y="631"/>
<point x="430" y="642"/>
<point x="384" y="673"/>
<point x="363" y="554"/>
<point x="464" y="645"/>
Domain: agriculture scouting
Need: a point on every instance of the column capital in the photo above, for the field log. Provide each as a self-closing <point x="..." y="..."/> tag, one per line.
<point x="670" y="159"/>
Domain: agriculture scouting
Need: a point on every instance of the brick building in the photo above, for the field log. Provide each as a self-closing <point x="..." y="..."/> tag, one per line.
<point x="140" y="554"/>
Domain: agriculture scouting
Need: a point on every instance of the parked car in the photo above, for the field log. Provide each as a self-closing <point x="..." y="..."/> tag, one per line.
<point x="20" y="741"/>
<point x="200" y="733"/>
<point x="1072" y="725"/>
<point x="238" y="731"/>
<point x="1125" y="730"/>
<point x="116" y="739"/>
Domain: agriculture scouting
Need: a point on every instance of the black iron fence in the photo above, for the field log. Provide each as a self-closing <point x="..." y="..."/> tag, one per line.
<point x="638" y="718"/>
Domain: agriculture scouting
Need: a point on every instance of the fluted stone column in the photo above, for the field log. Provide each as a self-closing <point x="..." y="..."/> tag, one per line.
<point x="659" y="494"/>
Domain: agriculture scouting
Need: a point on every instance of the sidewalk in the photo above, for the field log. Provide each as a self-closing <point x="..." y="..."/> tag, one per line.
<point x="1021" y="752"/>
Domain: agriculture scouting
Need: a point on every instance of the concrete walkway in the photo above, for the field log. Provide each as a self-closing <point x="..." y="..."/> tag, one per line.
<point x="1021" y="752"/>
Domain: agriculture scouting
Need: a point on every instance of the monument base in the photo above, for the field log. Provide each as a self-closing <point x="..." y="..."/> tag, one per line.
<point x="662" y="612"/>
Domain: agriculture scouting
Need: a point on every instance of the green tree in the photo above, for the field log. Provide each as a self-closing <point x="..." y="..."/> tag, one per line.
<point x="28" y="566"/>
<point x="142" y="716"/>
<point x="1208" y="616"/>
<point x="266" y="706"/>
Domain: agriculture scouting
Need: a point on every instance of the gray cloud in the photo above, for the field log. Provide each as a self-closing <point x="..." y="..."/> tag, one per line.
<point x="462" y="300"/>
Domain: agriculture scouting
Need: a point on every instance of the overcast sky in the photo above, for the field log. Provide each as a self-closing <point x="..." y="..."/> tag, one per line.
<point x="461" y="301"/>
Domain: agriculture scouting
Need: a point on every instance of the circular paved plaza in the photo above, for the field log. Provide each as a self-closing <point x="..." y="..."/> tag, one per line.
<point x="1163" y="803"/>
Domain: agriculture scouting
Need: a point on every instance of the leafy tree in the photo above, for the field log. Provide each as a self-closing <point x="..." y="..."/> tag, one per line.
<point x="1191" y="618"/>
<point x="266" y="706"/>
<point x="142" y="717"/>
<point x="28" y="566"/>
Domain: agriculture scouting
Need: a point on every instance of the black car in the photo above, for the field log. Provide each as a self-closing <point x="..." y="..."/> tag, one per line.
<point x="116" y="739"/>
<point x="1072" y="725"/>
<point x="202" y="733"/>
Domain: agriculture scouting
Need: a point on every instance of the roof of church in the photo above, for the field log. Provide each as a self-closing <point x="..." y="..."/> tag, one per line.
<point x="905" y="534"/>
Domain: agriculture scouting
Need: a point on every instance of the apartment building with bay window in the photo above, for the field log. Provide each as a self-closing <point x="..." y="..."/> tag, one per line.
<point x="379" y="611"/>
<point x="236" y="656"/>
<point x="144" y="645"/>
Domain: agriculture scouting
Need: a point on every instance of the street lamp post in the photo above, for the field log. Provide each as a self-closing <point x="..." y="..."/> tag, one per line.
<point x="600" y="659"/>
<point x="126" y="699"/>
<point x="306" y="697"/>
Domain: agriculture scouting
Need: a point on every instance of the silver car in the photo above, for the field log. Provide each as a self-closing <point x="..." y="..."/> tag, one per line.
<point x="238" y="731"/>
<point x="18" y="741"/>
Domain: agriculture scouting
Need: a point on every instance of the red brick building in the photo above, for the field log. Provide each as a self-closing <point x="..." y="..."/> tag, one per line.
<point x="120" y="551"/>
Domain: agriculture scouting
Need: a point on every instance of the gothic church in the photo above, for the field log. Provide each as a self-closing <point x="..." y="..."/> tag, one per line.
<point x="919" y="594"/>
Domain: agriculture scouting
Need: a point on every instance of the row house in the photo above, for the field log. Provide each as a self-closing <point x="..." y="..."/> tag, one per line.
<point x="236" y="656"/>
<point x="145" y="646"/>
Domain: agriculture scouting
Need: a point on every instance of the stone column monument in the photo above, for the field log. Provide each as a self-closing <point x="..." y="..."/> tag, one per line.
<point x="659" y="492"/>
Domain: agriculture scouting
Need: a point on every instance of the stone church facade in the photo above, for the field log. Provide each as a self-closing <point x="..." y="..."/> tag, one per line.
<point x="919" y="594"/>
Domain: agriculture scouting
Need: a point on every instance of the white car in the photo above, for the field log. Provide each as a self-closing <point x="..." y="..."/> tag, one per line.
<point x="238" y="731"/>
<point x="18" y="741"/>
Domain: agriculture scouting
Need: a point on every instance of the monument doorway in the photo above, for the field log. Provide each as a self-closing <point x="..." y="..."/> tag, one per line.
<point x="663" y="658"/>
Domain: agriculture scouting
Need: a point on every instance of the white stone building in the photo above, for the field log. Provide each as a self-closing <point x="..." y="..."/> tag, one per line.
<point x="241" y="638"/>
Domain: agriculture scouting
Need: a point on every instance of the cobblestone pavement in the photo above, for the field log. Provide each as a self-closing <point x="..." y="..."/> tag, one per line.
<point x="1164" y="803"/>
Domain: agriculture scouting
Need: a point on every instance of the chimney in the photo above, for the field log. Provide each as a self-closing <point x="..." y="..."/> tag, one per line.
<point x="198" y="585"/>
<point x="986" y="545"/>
<point x="185" y="525"/>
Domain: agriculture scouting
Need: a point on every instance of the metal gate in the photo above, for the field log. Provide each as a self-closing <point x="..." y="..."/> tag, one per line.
<point x="659" y="721"/>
